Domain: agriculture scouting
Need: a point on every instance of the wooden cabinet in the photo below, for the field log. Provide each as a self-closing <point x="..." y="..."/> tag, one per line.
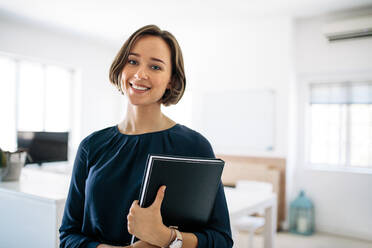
<point x="272" y="170"/>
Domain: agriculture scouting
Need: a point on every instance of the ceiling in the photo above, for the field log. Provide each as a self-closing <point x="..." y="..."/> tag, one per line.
<point x="108" y="19"/>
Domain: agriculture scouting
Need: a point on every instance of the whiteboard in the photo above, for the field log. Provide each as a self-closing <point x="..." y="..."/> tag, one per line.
<point x="239" y="119"/>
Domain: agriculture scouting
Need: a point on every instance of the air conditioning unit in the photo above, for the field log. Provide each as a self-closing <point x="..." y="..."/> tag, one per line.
<point x="349" y="29"/>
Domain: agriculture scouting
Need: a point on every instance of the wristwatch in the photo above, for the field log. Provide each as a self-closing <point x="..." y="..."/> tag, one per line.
<point x="177" y="243"/>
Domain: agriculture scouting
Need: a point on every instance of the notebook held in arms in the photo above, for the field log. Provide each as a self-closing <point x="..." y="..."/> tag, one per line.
<point x="192" y="184"/>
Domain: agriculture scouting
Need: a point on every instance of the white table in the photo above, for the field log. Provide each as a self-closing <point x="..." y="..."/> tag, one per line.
<point x="242" y="203"/>
<point x="31" y="209"/>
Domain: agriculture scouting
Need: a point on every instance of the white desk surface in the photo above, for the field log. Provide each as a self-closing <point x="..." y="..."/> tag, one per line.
<point x="40" y="185"/>
<point x="240" y="201"/>
<point x="244" y="202"/>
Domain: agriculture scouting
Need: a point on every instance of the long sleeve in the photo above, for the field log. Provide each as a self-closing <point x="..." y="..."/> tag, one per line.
<point x="71" y="235"/>
<point x="217" y="233"/>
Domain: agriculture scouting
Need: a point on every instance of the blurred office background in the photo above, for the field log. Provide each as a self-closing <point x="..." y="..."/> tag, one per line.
<point x="265" y="80"/>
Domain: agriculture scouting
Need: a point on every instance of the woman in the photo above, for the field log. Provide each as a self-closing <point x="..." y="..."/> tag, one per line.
<point x="101" y="209"/>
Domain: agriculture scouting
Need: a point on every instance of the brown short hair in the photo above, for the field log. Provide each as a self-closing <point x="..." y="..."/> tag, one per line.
<point x="178" y="79"/>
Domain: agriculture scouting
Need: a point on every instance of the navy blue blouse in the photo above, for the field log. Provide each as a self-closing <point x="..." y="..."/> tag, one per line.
<point x="106" y="179"/>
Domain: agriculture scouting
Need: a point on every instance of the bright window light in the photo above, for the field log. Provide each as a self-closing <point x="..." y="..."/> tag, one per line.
<point x="341" y="125"/>
<point x="58" y="99"/>
<point x="8" y="103"/>
<point x="31" y="97"/>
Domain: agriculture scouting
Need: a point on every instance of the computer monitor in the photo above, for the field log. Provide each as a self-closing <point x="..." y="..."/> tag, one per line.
<point x="43" y="147"/>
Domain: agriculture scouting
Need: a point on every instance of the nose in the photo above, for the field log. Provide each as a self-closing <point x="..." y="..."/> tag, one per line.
<point x="141" y="73"/>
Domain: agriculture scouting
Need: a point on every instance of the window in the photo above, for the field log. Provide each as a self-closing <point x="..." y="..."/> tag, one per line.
<point x="7" y="103"/>
<point x="36" y="96"/>
<point x="341" y="125"/>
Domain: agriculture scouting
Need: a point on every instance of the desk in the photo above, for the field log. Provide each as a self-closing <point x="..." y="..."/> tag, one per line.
<point x="242" y="203"/>
<point x="31" y="209"/>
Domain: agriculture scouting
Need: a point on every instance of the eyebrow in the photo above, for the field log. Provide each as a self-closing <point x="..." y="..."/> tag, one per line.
<point x="152" y="58"/>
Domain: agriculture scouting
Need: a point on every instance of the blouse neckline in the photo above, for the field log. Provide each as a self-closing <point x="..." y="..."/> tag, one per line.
<point x="143" y="134"/>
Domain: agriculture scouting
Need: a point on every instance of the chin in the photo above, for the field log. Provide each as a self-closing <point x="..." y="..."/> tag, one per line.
<point x="138" y="103"/>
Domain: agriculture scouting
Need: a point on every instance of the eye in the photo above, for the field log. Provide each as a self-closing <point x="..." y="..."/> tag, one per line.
<point x="132" y="62"/>
<point x="155" y="67"/>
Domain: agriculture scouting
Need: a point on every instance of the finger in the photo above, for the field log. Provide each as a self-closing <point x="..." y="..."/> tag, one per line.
<point x="133" y="208"/>
<point x="130" y="228"/>
<point x="159" y="197"/>
<point x="130" y="217"/>
<point x="134" y="205"/>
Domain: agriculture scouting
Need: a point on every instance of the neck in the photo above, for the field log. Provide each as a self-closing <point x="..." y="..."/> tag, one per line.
<point x="144" y="119"/>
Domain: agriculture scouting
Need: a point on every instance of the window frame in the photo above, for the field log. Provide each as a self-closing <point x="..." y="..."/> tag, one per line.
<point x="305" y="122"/>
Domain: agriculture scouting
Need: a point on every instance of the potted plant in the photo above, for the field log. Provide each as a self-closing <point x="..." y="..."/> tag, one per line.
<point x="11" y="164"/>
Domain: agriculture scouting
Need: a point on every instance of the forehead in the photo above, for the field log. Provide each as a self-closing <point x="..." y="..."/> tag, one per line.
<point x="152" y="46"/>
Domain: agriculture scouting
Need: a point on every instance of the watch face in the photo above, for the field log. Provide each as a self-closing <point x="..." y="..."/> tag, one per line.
<point x="176" y="244"/>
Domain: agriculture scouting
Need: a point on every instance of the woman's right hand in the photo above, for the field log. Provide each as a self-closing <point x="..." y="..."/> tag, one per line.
<point x="138" y="244"/>
<point x="142" y="244"/>
<point x="110" y="246"/>
<point x="107" y="246"/>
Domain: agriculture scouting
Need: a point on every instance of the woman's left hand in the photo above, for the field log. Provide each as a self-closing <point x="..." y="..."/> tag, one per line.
<point x="147" y="224"/>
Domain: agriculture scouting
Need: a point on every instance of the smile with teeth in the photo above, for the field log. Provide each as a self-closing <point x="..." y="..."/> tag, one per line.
<point x="137" y="87"/>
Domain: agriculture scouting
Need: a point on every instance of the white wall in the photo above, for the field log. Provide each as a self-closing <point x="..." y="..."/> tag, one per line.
<point x="241" y="54"/>
<point x="342" y="200"/>
<point x="98" y="100"/>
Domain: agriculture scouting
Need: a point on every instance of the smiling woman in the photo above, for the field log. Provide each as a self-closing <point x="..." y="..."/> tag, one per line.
<point x="147" y="74"/>
<point x="102" y="208"/>
<point x="168" y="46"/>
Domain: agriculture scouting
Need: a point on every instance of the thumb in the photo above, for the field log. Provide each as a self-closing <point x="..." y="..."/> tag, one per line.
<point x="159" y="197"/>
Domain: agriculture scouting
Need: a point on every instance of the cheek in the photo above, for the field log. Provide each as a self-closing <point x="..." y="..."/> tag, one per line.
<point x="163" y="81"/>
<point x="124" y="77"/>
<point x="125" y="72"/>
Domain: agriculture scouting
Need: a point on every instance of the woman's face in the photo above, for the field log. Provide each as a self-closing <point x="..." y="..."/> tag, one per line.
<point x="147" y="72"/>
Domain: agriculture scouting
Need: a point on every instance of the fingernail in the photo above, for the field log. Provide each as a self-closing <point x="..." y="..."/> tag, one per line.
<point x="164" y="188"/>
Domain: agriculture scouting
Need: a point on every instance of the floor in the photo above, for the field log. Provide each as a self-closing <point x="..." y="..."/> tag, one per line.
<point x="318" y="240"/>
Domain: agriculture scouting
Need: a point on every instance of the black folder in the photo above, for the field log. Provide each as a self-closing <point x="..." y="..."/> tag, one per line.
<point x="192" y="184"/>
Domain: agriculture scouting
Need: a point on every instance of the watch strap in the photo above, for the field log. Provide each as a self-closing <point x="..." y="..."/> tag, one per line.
<point x="178" y="235"/>
<point x="171" y="238"/>
<point x="177" y="242"/>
